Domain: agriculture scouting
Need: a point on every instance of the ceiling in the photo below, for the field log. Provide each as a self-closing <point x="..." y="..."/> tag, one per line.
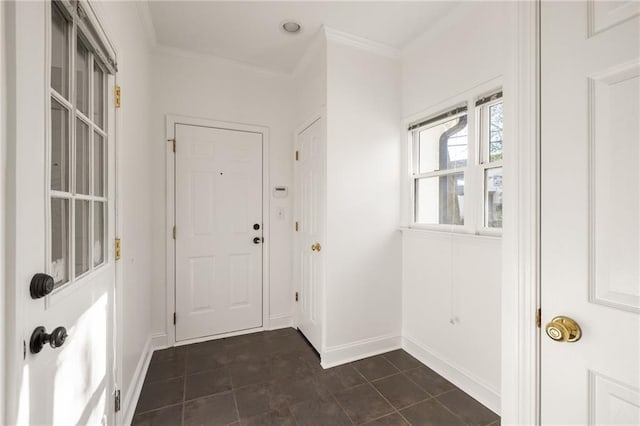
<point x="250" y="32"/>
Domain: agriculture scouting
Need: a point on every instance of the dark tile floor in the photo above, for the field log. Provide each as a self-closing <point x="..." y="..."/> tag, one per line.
<point x="275" y="378"/>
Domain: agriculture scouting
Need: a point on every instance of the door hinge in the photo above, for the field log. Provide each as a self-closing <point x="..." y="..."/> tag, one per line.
<point x="118" y="247"/>
<point x="174" y="318"/>
<point x="117" y="96"/>
<point x="174" y="232"/>
<point x="296" y="296"/>
<point x="297" y="156"/>
<point x="116" y="401"/>
<point x="173" y="142"/>
<point x="297" y="226"/>
<point x="538" y="318"/>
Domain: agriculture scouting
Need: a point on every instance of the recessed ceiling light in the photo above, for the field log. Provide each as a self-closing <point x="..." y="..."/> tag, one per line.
<point x="291" y="27"/>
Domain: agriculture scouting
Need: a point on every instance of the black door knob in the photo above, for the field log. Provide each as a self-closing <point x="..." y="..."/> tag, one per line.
<point x="40" y="337"/>
<point x="41" y="285"/>
<point x="257" y="240"/>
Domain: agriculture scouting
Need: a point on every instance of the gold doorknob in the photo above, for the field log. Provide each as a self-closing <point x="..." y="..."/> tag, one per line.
<point x="563" y="329"/>
<point x="316" y="247"/>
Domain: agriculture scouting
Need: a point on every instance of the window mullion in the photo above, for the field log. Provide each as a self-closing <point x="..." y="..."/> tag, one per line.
<point x="72" y="189"/>
<point x="471" y="173"/>
<point x="91" y="160"/>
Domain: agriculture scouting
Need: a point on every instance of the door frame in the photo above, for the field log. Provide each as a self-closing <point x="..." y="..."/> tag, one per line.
<point x="171" y="121"/>
<point x="520" y="369"/>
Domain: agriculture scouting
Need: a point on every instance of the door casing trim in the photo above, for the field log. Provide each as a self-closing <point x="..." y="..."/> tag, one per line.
<point x="520" y="369"/>
<point x="171" y="121"/>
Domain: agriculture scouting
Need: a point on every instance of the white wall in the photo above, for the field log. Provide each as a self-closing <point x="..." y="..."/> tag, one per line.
<point x="309" y="86"/>
<point x="122" y="23"/>
<point x="363" y="258"/>
<point x="218" y="89"/>
<point x="444" y="275"/>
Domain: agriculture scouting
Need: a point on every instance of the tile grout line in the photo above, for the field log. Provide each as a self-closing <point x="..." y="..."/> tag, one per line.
<point x="401" y="372"/>
<point x="342" y="408"/>
<point x="449" y="410"/>
<point x="184" y="389"/>
<point x="235" y="400"/>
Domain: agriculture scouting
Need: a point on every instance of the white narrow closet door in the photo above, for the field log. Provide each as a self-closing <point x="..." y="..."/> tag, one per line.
<point x="311" y="228"/>
<point x="218" y="248"/>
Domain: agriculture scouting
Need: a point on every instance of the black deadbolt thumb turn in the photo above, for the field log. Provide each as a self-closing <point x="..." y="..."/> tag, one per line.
<point x="40" y="337"/>
<point x="41" y="285"/>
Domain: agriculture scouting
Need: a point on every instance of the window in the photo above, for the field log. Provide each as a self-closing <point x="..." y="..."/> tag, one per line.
<point x="456" y="156"/>
<point x="441" y="154"/>
<point x="77" y="143"/>
<point x="490" y="118"/>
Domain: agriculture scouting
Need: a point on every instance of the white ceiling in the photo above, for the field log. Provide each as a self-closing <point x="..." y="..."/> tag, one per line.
<point x="250" y="32"/>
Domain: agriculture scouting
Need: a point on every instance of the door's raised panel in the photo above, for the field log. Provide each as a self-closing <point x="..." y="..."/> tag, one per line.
<point x="611" y="402"/>
<point x="315" y="290"/>
<point x="308" y="195"/>
<point x="307" y="282"/>
<point x="236" y="198"/>
<point x="240" y="269"/>
<point x="615" y="187"/>
<point x="604" y="15"/>
<point x="201" y="200"/>
<point x="202" y="149"/>
<point x="202" y="277"/>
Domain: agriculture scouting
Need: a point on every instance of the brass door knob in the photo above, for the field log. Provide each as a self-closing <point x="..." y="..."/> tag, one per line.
<point x="316" y="247"/>
<point x="563" y="329"/>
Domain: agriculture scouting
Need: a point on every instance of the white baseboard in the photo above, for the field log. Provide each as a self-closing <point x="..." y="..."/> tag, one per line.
<point x="159" y="341"/>
<point x="280" y="321"/>
<point x="154" y="342"/>
<point x="342" y="354"/>
<point x="465" y="380"/>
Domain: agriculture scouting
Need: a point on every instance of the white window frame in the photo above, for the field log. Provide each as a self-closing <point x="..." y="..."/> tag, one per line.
<point x="483" y="157"/>
<point x="73" y="114"/>
<point x="416" y="175"/>
<point x="474" y="203"/>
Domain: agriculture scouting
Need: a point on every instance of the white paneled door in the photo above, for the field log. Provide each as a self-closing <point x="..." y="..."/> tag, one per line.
<point x="590" y="62"/>
<point x="310" y="208"/>
<point x="219" y="231"/>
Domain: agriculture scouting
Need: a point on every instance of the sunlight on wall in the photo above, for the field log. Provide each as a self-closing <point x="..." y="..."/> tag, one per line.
<point x="81" y="381"/>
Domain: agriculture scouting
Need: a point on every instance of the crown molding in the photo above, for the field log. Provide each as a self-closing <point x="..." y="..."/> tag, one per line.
<point x="160" y="49"/>
<point x="336" y="36"/>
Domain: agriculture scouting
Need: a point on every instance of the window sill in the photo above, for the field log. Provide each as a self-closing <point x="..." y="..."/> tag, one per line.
<point x="448" y="233"/>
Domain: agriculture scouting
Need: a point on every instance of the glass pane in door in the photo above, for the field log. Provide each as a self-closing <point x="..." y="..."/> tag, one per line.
<point x="82" y="157"/>
<point x="82" y="232"/>
<point x="98" y="233"/>
<point x="98" y="165"/>
<point x="59" y="52"/>
<point x="59" y="147"/>
<point x="82" y="78"/>
<point x="60" y="240"/>
<point x="98" y="96"/>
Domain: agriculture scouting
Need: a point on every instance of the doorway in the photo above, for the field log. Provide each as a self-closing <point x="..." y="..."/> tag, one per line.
<point x="219" y="229"/>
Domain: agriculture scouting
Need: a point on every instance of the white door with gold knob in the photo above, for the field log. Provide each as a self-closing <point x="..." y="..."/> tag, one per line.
<point x="310" y="207"/>
<point x="590" y="218"/>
